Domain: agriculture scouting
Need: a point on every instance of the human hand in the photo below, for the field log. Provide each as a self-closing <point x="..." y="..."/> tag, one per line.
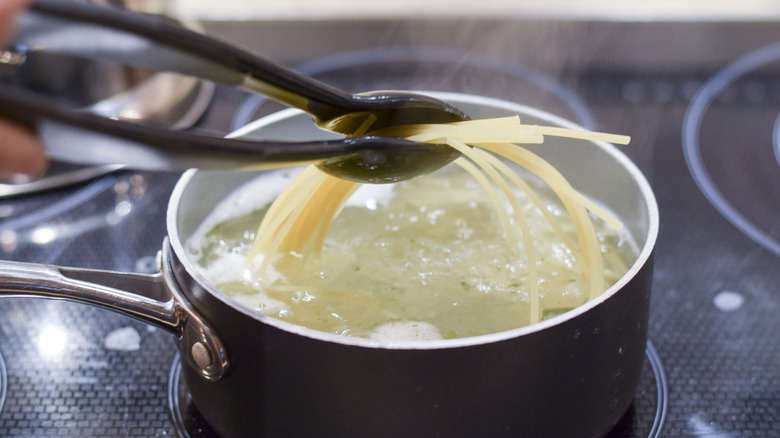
<point x="21" y="152"/>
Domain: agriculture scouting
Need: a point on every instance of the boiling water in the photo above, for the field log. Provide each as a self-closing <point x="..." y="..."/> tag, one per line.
<point x="422" y="259"/>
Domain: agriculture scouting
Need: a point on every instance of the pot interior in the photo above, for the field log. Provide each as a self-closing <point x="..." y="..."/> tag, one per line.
<point x="598" y="170"/>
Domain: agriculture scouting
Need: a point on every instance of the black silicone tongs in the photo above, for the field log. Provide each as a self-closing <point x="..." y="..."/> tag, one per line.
<point x="160" y="44"/>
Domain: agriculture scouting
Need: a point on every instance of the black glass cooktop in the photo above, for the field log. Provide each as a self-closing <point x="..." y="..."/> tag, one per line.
<point x="706" y="132"/>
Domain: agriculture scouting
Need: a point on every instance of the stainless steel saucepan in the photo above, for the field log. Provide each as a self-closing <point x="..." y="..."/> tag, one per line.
<point x="573" y="375"/>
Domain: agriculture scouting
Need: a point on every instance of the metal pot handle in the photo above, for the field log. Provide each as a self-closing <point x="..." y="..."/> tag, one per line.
<point x="153" y="298"/>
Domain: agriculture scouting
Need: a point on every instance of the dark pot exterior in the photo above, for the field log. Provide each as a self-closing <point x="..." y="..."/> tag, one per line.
<point x="574" y="379"/>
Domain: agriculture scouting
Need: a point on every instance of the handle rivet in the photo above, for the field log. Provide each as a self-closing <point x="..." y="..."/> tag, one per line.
<point x="201" y="355"/>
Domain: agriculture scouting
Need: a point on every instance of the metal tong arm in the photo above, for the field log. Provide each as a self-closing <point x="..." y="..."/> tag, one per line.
<point x="160" y="44"/>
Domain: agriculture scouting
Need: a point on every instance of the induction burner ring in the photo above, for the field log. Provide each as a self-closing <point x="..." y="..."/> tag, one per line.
<point x="3" y="382"/>
<point x="692" y="122"/>
<point x="776" y="139"/>
<point x="662" y="390"/>
<point x="187" y="420"/>
<point x="190" y="424"/>
<point x="81" y="196"/>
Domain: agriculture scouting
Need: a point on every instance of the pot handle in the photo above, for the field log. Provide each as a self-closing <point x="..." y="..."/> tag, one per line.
<point x="153" y="298"/>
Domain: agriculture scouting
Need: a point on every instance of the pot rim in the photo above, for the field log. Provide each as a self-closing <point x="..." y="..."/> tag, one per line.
<point x="622" y="159"/>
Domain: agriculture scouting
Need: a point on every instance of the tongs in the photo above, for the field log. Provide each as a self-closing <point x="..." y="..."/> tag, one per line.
<point x="159" y="44"/>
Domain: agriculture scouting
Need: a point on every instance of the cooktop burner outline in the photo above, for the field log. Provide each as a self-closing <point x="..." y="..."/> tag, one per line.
<point x="662" y="390"/>
<point x="3" y="382"/>
<point x="174" y="406"/>
<point x="50" y="211"/>
<point x="186" y="420"/>
<point x="177" y="390"/>
<point x="692" y="121"/>
<point x="354" y="58"/>
<point x="776" y="138"/>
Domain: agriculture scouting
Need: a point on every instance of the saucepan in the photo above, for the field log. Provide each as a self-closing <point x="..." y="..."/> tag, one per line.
<point x="573" y="375"/>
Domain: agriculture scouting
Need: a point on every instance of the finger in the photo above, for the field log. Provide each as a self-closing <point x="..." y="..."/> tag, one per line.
<point x="9" y="9"/>
<point x="21" y="152"/>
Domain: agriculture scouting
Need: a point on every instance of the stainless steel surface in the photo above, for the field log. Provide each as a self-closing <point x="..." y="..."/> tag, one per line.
<point x="9" y="58"/>
<point x="111" y="90"/>
<point x="161" y="100"/>
<point x="150" y="298"/>
<point x="56" y="180"/>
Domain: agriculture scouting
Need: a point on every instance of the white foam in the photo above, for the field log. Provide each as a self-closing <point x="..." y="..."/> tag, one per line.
<point x="253" y="195"/>
<point x="406" y="331"/>
<point x="261" y="302"/>
<point x="229" y="267"/>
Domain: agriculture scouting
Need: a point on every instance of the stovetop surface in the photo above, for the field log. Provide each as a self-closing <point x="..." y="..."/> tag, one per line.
<point x="707" y="138"/>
